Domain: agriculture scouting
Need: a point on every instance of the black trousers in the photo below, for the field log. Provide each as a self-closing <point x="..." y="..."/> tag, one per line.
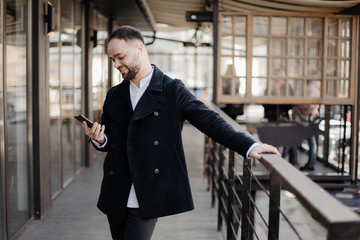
<point x="133" y="228"/>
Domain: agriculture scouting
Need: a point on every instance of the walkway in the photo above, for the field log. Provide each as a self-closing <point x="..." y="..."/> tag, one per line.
<point x="74" y="215"/>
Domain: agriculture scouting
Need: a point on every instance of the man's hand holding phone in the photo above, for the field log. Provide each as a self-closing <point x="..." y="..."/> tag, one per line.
<point x="96" y="132"/>
<point x="93" y="130"/>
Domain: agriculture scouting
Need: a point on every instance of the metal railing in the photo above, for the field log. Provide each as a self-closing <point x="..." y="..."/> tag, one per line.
<point x="234" y="186"/>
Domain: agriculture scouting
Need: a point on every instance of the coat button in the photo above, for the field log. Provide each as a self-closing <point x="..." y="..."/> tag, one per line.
<point x="111" y="173"/>
<point x="156" y="171"/>
<point x="156" y="114"/>
<point x="156" y="143"/>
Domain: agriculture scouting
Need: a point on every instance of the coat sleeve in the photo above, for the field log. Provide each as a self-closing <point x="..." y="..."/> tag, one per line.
<point x="210" y="122"/>
<point x="105" y="121"/>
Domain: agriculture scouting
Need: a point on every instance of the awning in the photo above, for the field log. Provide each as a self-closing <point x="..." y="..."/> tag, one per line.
<point x="170" y="15"/>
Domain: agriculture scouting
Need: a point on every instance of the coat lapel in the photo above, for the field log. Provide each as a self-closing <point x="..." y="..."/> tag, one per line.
<point x="152" y="98"/>
<point x="122" y="102"/>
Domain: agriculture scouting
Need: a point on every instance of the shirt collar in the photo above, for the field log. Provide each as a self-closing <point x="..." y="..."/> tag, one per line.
<point x="144" y="83"/>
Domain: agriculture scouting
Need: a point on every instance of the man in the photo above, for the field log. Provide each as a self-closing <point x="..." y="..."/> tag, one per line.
<point x="145" y="175"/>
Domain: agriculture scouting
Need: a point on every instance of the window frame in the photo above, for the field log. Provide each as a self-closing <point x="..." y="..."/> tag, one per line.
<point x="249" y="35"/>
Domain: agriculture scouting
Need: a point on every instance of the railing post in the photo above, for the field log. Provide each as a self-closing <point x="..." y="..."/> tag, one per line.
<point x="274" y="205"/>
<point x="245" y="200"/>
<point x="220" y="193"/>
<point x="230" y="201"/>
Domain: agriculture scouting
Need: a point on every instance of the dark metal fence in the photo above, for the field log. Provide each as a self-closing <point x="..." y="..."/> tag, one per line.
<point x="234" y="181"/>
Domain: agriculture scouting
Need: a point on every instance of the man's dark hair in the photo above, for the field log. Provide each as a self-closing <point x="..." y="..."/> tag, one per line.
<point x="126" y="33"/>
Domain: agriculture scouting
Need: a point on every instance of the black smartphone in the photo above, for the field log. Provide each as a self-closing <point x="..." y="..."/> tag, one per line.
<point x="82" y="118"/>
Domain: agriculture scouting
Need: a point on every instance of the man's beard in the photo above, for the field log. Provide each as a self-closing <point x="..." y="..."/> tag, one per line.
<point x="131" y="74"/>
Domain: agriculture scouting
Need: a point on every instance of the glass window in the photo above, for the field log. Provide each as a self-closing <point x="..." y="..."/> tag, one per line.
<point x="227" y="25"/>
<point x="17" y="114"/>
<point x="2" y="160"/>
<point x="260" y="47"/>
<point x="278" y="47"/>
<point x="258" y="87"/>
<point x="79" y="134"/>
<point x="100" y="65"/>
<point x="259" y="67"/>
<point x="240" y="25"/>
<point x="314" y="47"/>
<point x="54" y="104"/>
<point x="332" y="26"/>
<point x="296" y="46"/>
<point x="297" y="26"/>
<point x="226" y="45"/>
<point x="240" y="46"/>
<point x="315" y="27"/>
<point x="67" y="90"/>
<point x="278" y="26"/>
<point x="261" y="25"/>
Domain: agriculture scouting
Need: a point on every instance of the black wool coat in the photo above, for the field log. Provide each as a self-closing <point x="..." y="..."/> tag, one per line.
<point x="145" y="146"/>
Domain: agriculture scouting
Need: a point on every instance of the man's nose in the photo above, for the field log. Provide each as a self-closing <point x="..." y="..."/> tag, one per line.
<point x="117" y="63"/>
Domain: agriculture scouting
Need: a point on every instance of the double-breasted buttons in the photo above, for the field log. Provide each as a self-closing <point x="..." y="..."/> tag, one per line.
<point x="156" y="170"/>
<point x="111" y="173"/>
<point x="156" y="114"/>
<point x="156" y="143"/>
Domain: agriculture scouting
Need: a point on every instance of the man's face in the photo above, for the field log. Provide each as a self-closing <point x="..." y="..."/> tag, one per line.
<point x="125" y="56"/>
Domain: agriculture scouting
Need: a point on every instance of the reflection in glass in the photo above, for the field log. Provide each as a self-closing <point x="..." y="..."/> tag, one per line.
<point x="241" y="87"/>
<point x="296" y="87"/>
<point x="277" y="87"/>
<point x="240" y="66"/>
<point x="345" y="24"/>
<point x="67" y="90"/>
<point x="226" y="45"/>
<point x="79" y="134"/>
<point x="260" y="47"/>
<point x="276" y="65"/>
<point x="331" y="88"/>
<point x="226" y="26"/>
<point x="332" y="27"/>
<point x="296" y="68"/>
<point x="100" y="63"/>
<point x="345" y="48"/>
<point x="315" y="27"/>
<point x="278" y="47"/>
<point x="344" y="89"/>
<point x="332" y="48"/>
<point x="226" y="85"/>
<point x="54" y="104"/>
<point x="313" y="89"/>
<point x="314" y="47"/>
<point x="258" y="87"/>
<point x="261" y="25"/>
<point x="259" y="67"/>
<point x="314" y="68"/>
<point x="331" y="70"/>
<point x="297" y="26"/>
<point x="240" y="25"/>
<point x="225" y="66"/>
<point x="240" y="46"/>
<point x="278" y="26"/>
<point x="17" y="118"/>
<point x="345" y="68"/>
<point x="297" y="47"/>
<point x="2" y="160"/>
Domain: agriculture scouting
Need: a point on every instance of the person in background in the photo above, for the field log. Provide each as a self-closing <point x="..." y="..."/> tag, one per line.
<point x="145" y="173"/>
<point x="303" y="115"/>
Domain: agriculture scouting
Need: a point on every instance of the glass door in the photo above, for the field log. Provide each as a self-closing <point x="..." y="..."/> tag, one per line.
<point x="16" y="122"/>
